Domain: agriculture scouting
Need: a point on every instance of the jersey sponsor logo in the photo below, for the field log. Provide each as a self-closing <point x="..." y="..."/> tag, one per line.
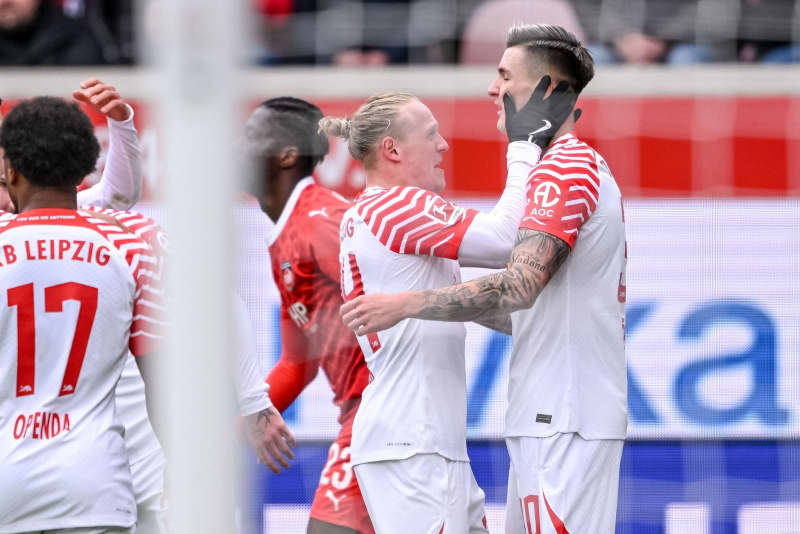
<point x="299" y="313"/>
<point x="288" y="275"/>
<point x="546" y="194"/>
<point x="41" y="425"/>
<point x="314" y="213"/>
<point x="544" y="418"/>
<point x="441" y="211"/>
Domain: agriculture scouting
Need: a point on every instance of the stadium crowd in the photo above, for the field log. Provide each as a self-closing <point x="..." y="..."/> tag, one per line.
<point x="381" y="32"/>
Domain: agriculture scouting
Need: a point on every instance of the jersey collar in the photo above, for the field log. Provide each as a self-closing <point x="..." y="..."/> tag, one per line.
<point x="288" y="209"/>
<point x="561" y="141"/>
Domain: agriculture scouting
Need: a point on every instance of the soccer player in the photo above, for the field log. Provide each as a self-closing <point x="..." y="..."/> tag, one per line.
<point x="118" y="189"/>
<point x="120" y="186"/>
<point x="282" y="138"/>
<point x="409" y="435"/>
<point x="564" y="289"/>
<point x="76" y="293"/>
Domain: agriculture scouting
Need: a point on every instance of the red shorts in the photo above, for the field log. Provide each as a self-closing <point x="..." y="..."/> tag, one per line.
<point x="338" y="499"/>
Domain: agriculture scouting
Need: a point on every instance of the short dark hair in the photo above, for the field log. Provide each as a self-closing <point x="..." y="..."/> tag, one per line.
<point x="294" y="122"/>
<point x="50" y="142"/>
<point x="559" y="48"/>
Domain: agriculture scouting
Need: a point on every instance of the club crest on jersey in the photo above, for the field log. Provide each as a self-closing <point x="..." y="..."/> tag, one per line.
<point x="288" y="275"/>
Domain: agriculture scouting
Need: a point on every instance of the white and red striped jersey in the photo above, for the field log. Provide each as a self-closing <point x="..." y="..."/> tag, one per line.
<point x="77" y="292"/>
<point x="144" y="451"/>
<point x="400" y="239"/>
<point x="567" y="370"/>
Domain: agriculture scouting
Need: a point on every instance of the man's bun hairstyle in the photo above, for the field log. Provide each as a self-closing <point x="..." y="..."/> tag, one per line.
<point x="376" y="118"/>
<point x="559" y="48"/>
<point x="50" y="142"/>
<point x="287" y="121"/>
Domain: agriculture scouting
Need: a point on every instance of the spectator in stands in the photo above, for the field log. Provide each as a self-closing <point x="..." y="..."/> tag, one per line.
<point x="361" y="33"/>
<point x="653" y="31"/>
<point x="36" y="32"/>
<point x="766" y="31"/>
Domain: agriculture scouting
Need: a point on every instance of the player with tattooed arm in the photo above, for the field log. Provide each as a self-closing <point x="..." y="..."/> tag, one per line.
<point x="562" y="296"/>
<point x="409" y="435"/>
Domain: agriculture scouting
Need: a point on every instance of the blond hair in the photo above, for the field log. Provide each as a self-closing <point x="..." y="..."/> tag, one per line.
<point x="376" y="118"/>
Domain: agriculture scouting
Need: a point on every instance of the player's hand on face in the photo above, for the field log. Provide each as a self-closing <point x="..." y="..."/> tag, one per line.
<point x="540" y="118"/>
<point x="271" y="439"/>
<point x="372" y="313"/>
<point x="103" y="98"/>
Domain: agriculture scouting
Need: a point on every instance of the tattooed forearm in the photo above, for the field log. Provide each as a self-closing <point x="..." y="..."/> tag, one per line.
<point x="500" y="322"/>
<point x="536" y="257"/>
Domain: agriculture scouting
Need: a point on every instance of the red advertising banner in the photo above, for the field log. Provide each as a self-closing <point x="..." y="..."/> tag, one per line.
<point x="720" y="146"/>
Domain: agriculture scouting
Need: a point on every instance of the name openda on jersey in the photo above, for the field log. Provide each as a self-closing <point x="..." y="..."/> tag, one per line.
<point x="41" y="425"/>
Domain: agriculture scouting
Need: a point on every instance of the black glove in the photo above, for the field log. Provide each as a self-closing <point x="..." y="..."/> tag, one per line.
<point x="539" y="120"/>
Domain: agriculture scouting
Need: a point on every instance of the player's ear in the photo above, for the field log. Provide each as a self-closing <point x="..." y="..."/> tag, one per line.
<point x="288" y="157"/>
<point x="390" y="149"/>
<point x="12" y="176"/>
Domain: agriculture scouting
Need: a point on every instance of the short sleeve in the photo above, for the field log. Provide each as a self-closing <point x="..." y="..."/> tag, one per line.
<point x="562" y="193"/>
<point x="410" y="220"/>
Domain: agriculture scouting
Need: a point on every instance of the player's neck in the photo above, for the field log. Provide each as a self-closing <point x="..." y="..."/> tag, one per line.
<point x="44" y="197"/>
<point x="567" y="127"/>
<point x="280" y="190"/>
<point x="386" y="177"/>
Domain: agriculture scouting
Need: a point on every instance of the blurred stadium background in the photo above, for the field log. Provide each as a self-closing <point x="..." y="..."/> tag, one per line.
<point x="695" y="106"/>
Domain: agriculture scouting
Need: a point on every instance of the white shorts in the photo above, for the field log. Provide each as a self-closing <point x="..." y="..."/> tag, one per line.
<point x="423" y="494"/>
<point x="562" y="483"/>
<point x="87" y="530"/>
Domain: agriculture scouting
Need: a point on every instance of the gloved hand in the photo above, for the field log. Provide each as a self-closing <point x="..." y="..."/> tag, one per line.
<point x="539" y="120"/>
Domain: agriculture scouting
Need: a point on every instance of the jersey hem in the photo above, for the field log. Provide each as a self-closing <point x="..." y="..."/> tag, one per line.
<point x="584" y="435"/>
<point x="61" y="523"/>
<point x="370" y="458"/>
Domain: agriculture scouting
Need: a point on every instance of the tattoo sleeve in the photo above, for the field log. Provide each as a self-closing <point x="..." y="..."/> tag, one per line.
<point x="535" y="258"/>
<point x="501" y="322"/>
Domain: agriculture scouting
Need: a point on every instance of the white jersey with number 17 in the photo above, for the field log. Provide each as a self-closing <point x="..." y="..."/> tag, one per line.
<point x="76" y="293"/>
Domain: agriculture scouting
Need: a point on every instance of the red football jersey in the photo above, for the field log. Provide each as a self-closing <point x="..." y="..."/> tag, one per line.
<point x="304" y="251"/>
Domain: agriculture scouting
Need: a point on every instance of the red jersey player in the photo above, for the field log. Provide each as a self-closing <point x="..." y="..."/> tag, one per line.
<point x="304" y="251"/>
